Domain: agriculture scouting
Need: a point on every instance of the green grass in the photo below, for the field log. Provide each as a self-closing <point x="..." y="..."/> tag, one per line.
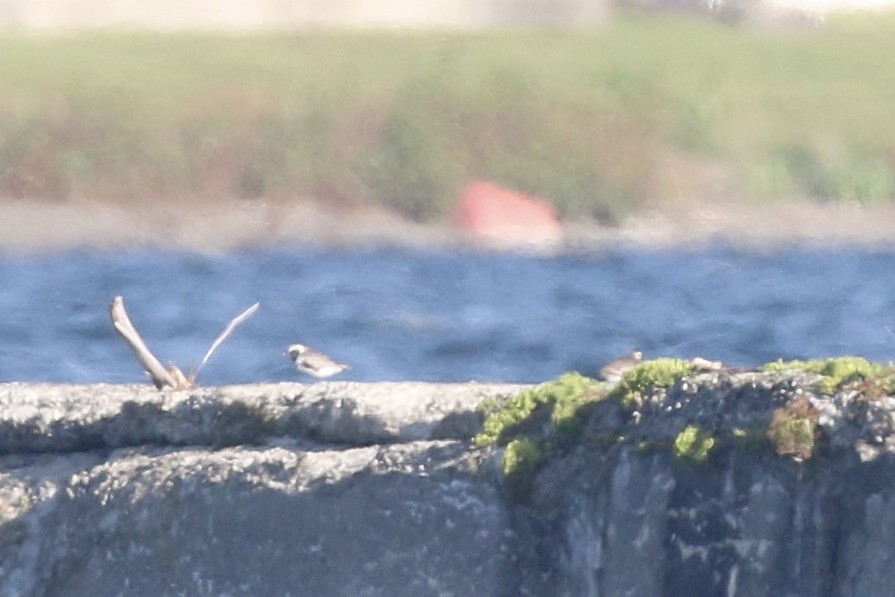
<point x="582" y="117"/>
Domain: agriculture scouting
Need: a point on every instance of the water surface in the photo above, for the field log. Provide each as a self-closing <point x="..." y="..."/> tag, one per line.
<point x="397" y="314"/>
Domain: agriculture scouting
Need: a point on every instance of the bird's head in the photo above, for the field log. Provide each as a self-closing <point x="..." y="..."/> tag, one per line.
<point x="296" y="350"/>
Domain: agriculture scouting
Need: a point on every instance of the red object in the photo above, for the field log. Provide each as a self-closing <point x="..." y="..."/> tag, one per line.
<point x="492" y="213"/>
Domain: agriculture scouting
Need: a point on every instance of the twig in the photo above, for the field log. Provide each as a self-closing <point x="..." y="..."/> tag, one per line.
<point x="160" y="376"/>
<point x="172" y="377"/>
<point x="223" y="335"/>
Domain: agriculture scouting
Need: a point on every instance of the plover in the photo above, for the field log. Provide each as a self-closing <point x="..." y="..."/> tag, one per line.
<point x="614" y="370"/>
<point x="313" y="362"/>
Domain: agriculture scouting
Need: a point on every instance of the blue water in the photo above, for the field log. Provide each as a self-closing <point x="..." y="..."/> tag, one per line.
<point x="397" y="314"/>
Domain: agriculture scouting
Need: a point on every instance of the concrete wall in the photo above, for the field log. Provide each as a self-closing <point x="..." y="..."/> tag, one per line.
<point x="346" y="489"/>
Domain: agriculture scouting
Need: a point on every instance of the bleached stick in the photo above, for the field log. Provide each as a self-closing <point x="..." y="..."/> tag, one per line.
<point x="223" y="335"/>
<point x="160" y="376"/>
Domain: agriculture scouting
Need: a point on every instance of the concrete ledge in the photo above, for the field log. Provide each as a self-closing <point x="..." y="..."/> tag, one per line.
<point x="346" y="489"/>
<point x="336" y="489"/>
<point x="38" y="418"/>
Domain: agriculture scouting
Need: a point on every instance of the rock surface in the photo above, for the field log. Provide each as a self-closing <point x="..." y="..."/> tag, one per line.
<point x="64" y="418"/>
<point x="329" y="489"/>
<point x="375" y="489"/>
<point x="631" y="518"/>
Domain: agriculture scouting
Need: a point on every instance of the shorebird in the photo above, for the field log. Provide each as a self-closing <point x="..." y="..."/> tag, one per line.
<point x="313" y="362"/>
<point x="614" y="370"/>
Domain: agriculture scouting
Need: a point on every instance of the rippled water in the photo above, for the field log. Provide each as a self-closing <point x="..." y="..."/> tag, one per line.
<point x="444" y="316"/>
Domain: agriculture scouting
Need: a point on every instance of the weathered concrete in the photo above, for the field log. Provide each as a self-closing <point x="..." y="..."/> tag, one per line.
<point x="412" y="519"/>
<point x="123" y="490"/>
<point x="374" y="489"/>
<point x="63" y="418"/>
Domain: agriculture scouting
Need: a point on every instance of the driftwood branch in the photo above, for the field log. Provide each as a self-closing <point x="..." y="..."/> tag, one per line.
<point x="223" y="335"/>
<point x="172" y="377"/>
<point x="161" y="377"/>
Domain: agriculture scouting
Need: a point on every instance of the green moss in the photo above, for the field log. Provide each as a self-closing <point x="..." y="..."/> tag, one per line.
<point x="693" y="444"/>
<point x="502" y="415"/>
<point x="571" y="392"/>
<point x="659" y="373"/>
<point x="544" y="422"/>
<point x="522" y="458"/>
<point x="791" y="365"/>
<point x="522" y="455"/>
<point x="536" y="424"/>
<point x="793" y="429"/>
<point x="563" y="397"/>
<point x="836" y="371"/>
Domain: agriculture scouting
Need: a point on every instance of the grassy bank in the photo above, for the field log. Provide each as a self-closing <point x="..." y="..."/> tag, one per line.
<point x="586" y="118"/>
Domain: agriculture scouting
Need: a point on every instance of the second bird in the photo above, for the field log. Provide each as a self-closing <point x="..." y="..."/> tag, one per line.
<point x="313" y="362"/>
<point x="614" y="370"/>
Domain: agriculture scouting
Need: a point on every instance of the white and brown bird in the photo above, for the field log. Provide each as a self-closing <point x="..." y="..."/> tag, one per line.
<point x="614" y="370"/>
<point x="313" y="362"/>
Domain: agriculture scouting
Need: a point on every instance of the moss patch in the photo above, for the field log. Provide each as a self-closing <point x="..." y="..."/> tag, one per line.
<point x="658" y="373"/>
<point x="693" y="444"/>
<point x="535" y="425"/>
<point x="549" y="421"/>
<point x="793" y="429"/>
<point x="836" y="371"/>
<point x="562" y="398"/>
<point x="522" y="459"/>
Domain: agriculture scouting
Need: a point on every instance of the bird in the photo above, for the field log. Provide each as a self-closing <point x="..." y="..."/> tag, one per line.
<point x="313" y="362"/>
<point x="614" y="370"/>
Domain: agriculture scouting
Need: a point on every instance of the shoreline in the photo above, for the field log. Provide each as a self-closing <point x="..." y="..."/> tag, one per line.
<point x="35" y="227"/>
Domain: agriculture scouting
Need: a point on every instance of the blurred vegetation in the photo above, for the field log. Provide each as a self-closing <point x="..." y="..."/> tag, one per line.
<point x="583" y="117"/>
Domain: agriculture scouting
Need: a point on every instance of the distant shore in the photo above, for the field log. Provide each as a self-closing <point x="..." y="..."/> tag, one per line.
<point x="41" y="227"/>
<point x="630" y="123"/>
